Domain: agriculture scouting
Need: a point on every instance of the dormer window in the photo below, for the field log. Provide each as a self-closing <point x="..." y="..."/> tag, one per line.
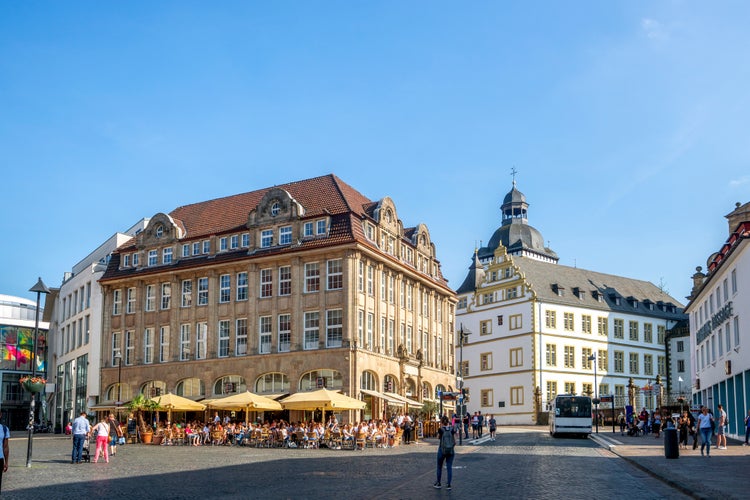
<point x="370" y="232"/>
<point x="266" y="238"/>
<point x="275" y="209"/>
<point x="596" y="295"/>
<point x="159" y="231"/>
<point x="320" y="226"/>
<point x="633" y="302"/>
<point x="126" y="261"/>
<point x="135" y="260"/>
<point x="558" y="290"/>
<point x="579" y="293"/>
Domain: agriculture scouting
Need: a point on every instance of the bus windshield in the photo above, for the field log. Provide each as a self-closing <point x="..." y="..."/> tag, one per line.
<point x="573" y="407"/>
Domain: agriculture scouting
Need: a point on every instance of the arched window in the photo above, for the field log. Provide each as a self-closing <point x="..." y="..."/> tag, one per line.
<point x="390" y="384"/>
<point x="153" y="388"/>
<point x="426" y="391"/>
<point x="272" y="383"/>
<point x="229" y="384"/>
<point x="368" y="381"/>
<point x="316" y="379"/>
<point x="190" y="388"/>
<point x="125" y="394"/>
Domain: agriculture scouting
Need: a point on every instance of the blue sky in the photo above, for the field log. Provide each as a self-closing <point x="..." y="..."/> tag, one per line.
<point x="626" y="120"/>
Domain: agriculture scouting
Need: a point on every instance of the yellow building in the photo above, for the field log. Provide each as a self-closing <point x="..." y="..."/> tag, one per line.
<point x="276" y="291"/>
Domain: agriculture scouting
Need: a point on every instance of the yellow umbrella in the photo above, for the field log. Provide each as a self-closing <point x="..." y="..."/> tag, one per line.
<point x="246" y="401"/>
<point x="173" y="402"/>
<point x="322" y="399"/>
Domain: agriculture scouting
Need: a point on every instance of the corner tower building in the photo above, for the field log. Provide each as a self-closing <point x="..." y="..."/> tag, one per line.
<point x="276" y="291"/>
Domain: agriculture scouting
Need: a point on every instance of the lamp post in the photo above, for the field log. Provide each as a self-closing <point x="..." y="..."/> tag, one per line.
<point x="596" y="394"/>
<point x="461" y="339"/>
<point x="118" y="403"/>
<point x="40" y="288"/>
<point x="679" y="393"/>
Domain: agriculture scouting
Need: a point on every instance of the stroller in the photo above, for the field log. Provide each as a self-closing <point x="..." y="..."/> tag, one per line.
<point x="86" y="453"/>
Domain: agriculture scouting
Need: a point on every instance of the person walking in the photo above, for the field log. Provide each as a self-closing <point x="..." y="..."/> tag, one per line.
<point x="446" y="451"/>
<point x="493" y="427"/>
<point x="4" y="437"/>
<point x="621" y="421"/>
<point x="115" y="432"/>
<point x="747" y="429"/>
<point x="101" y="431"/>
<point x="705" y="421"/>
<point x="721" y="437"/>
<point x="81" y="430"/>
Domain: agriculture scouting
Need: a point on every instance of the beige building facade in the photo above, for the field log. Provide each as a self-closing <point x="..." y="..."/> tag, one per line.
<point x="277" y="291"/>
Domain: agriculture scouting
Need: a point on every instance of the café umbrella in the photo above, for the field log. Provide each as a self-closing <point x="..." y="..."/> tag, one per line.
<point x="173" y="402"/>
<point x="322" y="399"/>
<point x="247" y="401"/>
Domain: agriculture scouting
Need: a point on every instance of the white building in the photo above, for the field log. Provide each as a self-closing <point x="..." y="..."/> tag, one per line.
<point x="720" y="325"/>
<point x="538" y="329"/>
<point x="75" y="332"/>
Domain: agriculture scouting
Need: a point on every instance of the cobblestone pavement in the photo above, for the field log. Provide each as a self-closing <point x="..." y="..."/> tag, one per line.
<point x="522" y="463"/>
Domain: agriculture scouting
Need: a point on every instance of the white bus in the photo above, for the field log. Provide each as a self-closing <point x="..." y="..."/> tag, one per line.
<point x="570" y="415"/>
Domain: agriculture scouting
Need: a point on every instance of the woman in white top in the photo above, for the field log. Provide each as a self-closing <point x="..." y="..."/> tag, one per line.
<point x="704" y="426"/>
<point x="101" y="431"/>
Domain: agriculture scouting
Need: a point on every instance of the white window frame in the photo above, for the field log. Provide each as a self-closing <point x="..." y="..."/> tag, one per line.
<point x="242" y="286"/>
<point x="164" y="344"/>
<point x="225" y="288"/>
<point x="265" y="283"/>
<point x="266" y="238"/>
<point x="285" y="280"/>
<point x="185" y="342"/>
<point x="335" y="274"/>
<point x="285" y="332"/>
<point x="312" y="277"/>
<point x="202" y="291"/>
<point x="265" y="332"/>
<point x="148" y="346"/>
<point x="153" y="258"/>
<point x="285" y="235"/>
<point x="167" y="255"/>
<point x="335" y="328"/>
<point x="186" y="293"/>
<point x="240" y="337"/>
<point x="311" y="330"/>
<point x="150" y="298"/>
<point x="223" y="338"/>
<point x="201" y="339"/>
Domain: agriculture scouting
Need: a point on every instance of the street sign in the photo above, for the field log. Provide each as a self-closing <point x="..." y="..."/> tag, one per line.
<point x="606" y="398"/>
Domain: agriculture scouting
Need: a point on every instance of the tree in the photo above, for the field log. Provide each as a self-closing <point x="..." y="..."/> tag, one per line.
<point x="138" y="405"/>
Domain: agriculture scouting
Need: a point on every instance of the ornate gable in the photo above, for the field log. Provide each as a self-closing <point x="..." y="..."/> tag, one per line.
<point x="161" y="230"/>
<point x="276" y="206"/>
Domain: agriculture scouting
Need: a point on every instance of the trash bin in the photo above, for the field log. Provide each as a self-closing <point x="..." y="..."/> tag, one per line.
<point x="671" y="445"/>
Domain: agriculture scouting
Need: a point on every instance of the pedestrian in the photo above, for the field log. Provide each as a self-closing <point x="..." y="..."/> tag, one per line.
<point x="481" y="425"/>
<point x="114" y="434"/>
<point x="493" y="427"/>
<point x="747" y="429"/>
<point x="81" y="430"/>
<point x="101" y="431"/>
<point x="705" y="424"/>
<point x="683" y="429"/>
<point x="475" y="425"/>
<point x="4" y="437"/>
<point x="721" y="437"/>
<point x="621" y="421"/>
<point x="446" y="451"/>
<point x="466" y="425"/>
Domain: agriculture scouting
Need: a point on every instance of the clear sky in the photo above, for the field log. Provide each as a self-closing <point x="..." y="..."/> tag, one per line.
<point x="626" y="120"/>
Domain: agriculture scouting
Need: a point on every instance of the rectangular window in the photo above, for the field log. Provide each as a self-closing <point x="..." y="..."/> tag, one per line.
<point x="383" y="281"/>
<point x="334" y="328"/>
<point x="166" y="295"/>
<point x="150" y="297"/>
<point x="312" y="277"/>
<point x="225" y="288"/>
<point x="166" y="255"/>
<point x="586" y="323"/>
<point x="569" y="360"/>
<point x="736" y="331"/>
<point x="409" y="338"/>
<point x="391" y="291"/>
<point x="266" y="238"/>
<point x="163" y="344"/>
<point x="184" y="342"/>
<point x="116" y="348"/>
<point x="265" y="331"/>
<point x="285" y="280"/>
<point x="86" y="331"/>
<point x="370" y="281"/>
<point x="370" y="331"/>
<point x="587" y="388"/>
<point x="515" y="321"/>
<point x="129" y="348"/>
<point x="148" y="346"/>
<point x="135" y="260"/>
<point x="409" y="298"/>
<point x="285" y="235"/>
<point x="307" y="230"/>
<point x="648" y="333"/>
<point x="202" y="291"/>
<point x="619" y="329"/>
<point x="603" y="389"/>
<point x="570" y="387"/>
<point x="601" y="360"/>
<point x="320" y="226"/>
<point x="487" y="397"/>
<point x="207" y="246"/>
<point x="187" y="293"/>
<point x="381" y="345"/>
<point x="734" y="282"/>
<point x="223" y="338"/>
<point x="196" y="248"/>
<point x="551" y="355"/>
<point x="130" y="305"/>
<point x="660" y="331"/>
<point x="335" y="274"/>
<point x="602" y="326"/>
<point x="223" y="244"/>
<point x="516" y="357"/>
<point x="568" y="322"/>
<point x="266" y="283"/>
<point x="285" y="332"/>
<point x="312" y="329"/>
<point x="391" y="333"/>
<point x="681" y="365"/>
<point x="586" y="361"/>
<point x="648" y="364"/>
<point x="153" y="258"/>
<point x="516" y="396"/>
<point x="633" y="330"/>
<point x="245" y="240"/>
<point x="240" y="340"/>
<point x="116" y="302"/>
<point x="126" y="261"/>
<point x="485" y="327"/>
<point x="551" y="390"/>
<point x="485" y="361"/>
<point x="661" y="365"/>
<point x="201" y="338"/>
<point x="234" y="242"/>
<point x="619" y="362"/>
<point x="242" y="286"/>
<point x="633" y="363"/>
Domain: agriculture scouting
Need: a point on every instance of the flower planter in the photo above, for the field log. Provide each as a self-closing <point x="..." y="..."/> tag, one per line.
<point x="32" y="386"/>
<point x="147" y="437"/>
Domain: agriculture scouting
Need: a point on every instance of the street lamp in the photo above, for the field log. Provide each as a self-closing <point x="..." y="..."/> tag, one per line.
<point x="679" y="393"/>
<point x="118" y="357"/>
<point x="40" y="288"/>
<point x="461" y="339"/>
<point x="596" y="393"/>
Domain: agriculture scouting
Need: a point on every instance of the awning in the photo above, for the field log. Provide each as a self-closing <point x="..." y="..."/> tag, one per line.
<point x="388" y="399"/>
<point x="410" y="402"/>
